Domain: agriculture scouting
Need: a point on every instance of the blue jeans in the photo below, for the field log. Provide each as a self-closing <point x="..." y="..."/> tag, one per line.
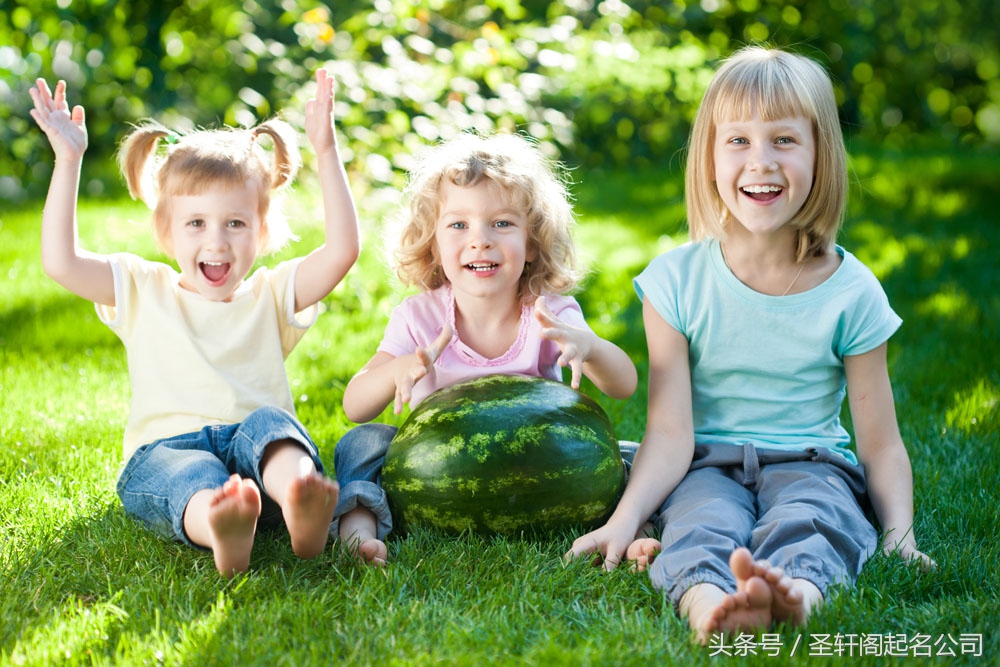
<point x="358" y="460"/>
<point x="160" y="478"/>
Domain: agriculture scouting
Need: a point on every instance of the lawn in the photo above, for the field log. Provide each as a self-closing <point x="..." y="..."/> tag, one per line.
<point x="82" y="583"/>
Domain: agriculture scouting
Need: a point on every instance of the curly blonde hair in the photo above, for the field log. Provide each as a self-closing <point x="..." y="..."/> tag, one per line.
<point x="774" y="84"/>
<point x="524" y="175"/>
<point x="205" y="159"/>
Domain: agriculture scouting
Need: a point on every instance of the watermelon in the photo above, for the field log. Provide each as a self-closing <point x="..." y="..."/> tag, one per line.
<point x="503" y="454"/>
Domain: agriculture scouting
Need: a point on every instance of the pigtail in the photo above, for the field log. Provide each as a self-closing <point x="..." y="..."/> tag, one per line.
<point x="134" y="156"/>
<point x="286" y="161"/>
<point x="203" y="159"/>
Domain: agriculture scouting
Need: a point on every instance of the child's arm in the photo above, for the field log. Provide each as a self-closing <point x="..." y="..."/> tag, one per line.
<point x="667" y="447"/>
<point x="387" y="379"/>
<point x="324" y="267"/>
<point x="586" y="353"/>
<point x="882" y="452"/>
<point x="83" y="273"/>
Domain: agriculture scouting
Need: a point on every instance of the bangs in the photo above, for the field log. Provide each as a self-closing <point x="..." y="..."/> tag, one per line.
<point x="765" y="87"/>
<point x="192" y="174"/>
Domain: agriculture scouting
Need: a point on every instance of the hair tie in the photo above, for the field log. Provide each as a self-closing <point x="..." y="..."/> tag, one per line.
<point x="172" y="138"/>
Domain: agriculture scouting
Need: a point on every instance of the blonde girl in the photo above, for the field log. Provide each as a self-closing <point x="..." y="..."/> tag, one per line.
<point x="756" y="330"/>
<point x="212" y="446"/>
<point x="487" y="241"/>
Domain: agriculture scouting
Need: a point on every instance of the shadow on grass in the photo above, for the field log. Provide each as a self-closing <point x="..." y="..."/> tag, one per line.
<point x="59" y="326"/>
<point x="103" y="584"/>
<point x="938" y="231"/>
<point x="934" y="234"/>
<point x="929" y="227"/>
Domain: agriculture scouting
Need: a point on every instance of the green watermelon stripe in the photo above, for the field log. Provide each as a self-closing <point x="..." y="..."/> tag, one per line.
<point x="504" y="454"/>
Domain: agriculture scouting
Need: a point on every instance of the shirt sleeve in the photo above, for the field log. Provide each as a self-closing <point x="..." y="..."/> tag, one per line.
<point x="131" y="275"/>
<point x="872" y="321"/>
<point x="659" y="283"/>
<point x="280" y="283"/>
<point x="567" y="309"/>
<point x="414" y="323"/>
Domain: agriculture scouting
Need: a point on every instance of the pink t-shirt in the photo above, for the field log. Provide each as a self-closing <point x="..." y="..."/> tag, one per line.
<point x="418" y="321"/>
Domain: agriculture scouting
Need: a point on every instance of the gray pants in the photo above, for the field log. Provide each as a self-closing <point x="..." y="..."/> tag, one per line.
<point x="802" y="511"/>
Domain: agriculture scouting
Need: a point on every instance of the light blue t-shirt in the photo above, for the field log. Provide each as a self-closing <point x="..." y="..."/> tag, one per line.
<point x="767" y="369"/>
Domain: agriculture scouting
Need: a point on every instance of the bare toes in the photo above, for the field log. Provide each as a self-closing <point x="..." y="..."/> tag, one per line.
<point x="741" y="563"/>
<point x="373" y="552"/>
<point x="308" y="511"/>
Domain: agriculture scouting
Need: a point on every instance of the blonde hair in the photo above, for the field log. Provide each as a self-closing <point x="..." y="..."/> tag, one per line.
<point x="523" y="175"/>
<point x="205" y="159"/>
<point x="774" y="84"/>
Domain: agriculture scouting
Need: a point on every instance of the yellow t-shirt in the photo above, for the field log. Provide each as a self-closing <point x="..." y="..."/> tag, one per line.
<point x="194" y="362"/>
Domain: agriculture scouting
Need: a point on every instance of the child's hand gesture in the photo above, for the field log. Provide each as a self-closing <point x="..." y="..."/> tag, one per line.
<point x="319" y="114"/>
<point x="66" y="130"/>
<point x="575" y="344"/>
<point x="609" y="543"/>
<point x="325" y="267"/>
<point x="422" y="366"/>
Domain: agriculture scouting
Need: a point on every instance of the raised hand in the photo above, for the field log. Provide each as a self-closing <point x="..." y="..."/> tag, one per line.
<point x="319" y="114"/>
<point x="66" y="130"/>
<point x="422" y="366"/>
<point x="326" y="266"/>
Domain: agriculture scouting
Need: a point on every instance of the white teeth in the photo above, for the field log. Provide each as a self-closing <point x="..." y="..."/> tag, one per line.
<point x="481" y="267"/>
<point x="759" y="189"/>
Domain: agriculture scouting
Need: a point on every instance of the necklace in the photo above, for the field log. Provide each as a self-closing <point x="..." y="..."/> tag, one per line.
<point x="791" y="284"/>
<point x="788" y="289"/>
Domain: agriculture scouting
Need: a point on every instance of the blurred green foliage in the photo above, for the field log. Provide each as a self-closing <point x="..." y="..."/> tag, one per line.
<point x="600" y="82"/>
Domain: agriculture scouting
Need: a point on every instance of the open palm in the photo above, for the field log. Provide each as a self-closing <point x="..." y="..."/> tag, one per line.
<point x="66" y="130"/>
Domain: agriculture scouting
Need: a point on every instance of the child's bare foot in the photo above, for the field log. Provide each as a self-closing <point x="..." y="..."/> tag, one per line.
<point x="371" y="551"/>
<point x="745" y="610"/>
<point x="308" y="510"/>
<point x="792" y="600"/>
<point x="642" y="552"/>
<point x="359" y="532"/>
<point x="749" y="608"/>
<point x="710" y="610"/>
<point x="232" y="520"/>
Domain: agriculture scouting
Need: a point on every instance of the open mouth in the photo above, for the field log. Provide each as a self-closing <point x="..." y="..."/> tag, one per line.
<point x="215" y="272"/>
<point x="482" y="267"/>
<point x="762" y="192"/>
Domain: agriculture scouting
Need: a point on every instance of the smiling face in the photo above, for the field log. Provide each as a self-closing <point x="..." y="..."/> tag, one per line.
<point x="764" y="169"/>
<point x="480" y="241"/>
<point x="214" y="238"/>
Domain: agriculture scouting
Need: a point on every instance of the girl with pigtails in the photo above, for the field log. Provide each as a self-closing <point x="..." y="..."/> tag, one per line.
<point x="212" y="447"/>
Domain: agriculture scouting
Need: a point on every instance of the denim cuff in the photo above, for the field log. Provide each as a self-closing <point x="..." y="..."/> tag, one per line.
<point x="365" y="494"/>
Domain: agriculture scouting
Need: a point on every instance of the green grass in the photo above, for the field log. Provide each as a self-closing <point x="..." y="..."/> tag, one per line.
<point x="82" y="583"/>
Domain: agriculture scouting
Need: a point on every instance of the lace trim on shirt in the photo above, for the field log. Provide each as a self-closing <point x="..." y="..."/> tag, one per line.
<point x="471" y="356"/>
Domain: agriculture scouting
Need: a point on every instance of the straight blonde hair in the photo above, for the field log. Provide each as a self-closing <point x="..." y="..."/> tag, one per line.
<point x="772" y="84"/>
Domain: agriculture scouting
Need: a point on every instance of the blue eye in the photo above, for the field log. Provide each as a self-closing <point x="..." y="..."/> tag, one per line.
<point x="503" y="223"/>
